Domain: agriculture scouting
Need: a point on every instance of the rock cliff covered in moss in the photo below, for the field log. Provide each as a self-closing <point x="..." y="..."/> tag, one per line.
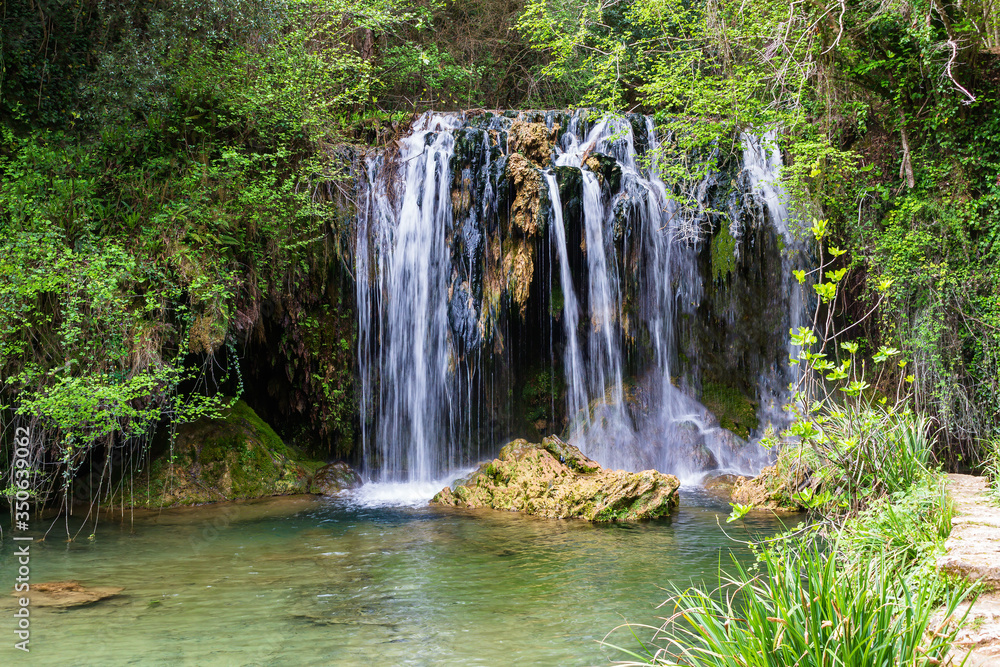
<point x="555" y="480"/>
<point x="235" y="457"/>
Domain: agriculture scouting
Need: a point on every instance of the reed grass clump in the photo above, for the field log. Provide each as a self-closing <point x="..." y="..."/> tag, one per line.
<point x="807" y="606"/>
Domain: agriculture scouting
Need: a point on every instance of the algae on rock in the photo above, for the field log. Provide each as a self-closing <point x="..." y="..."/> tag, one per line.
<point x="334" y="478"/>
<point x="735" y="412"/>
<point x="555" y="480"/>
<point x="232" y="458"/>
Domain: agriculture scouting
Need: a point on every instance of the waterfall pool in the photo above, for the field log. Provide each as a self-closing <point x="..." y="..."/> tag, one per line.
<point x="336" y="581"/>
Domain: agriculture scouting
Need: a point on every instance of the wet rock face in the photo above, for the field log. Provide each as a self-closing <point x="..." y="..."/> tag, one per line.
<point x="520" y="248"/>
<point x="534" y="140"/>
<point x="333" y="478"/>
<point x="527" y="182"/>
<point x="555" y="480"/>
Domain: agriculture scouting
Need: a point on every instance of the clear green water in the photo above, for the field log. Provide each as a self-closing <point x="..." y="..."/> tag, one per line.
<point x="302" y="581"/>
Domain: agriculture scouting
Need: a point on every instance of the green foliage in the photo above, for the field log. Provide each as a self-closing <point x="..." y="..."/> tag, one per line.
<point x="142" y="237"/>
<point x="991" y="467"/>
<point x="874" y="451"/>
<point x="541" y="392"/>
<point x="723" y="253"/>
<point x="912" y="523"/>
<point x="806" y="607"/>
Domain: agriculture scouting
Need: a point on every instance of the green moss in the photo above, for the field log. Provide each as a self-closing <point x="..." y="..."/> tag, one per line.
<point x="237" y="456"/>
<point x="242" y="415"/>
<point x="735" y="411"/>
<point x="723" y="253"/>
<point x="541" y="390"/>
<point x="556" y="301"/>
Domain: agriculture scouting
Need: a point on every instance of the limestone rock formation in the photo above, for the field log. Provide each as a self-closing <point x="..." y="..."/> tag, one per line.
<point x="519" y="249"/>
<point x="555" y="480"/>
<point x="534" y="140"/>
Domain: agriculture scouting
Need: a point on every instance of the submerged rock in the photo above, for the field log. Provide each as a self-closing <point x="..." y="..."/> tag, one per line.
<point x="334" y="478"/>
<point x="555" y="480"/>
<point x="720" y="485"/>
<point x="63" y="594"/>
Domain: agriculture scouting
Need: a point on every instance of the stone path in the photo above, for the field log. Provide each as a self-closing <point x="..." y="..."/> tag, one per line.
<point x="973" y="552"/>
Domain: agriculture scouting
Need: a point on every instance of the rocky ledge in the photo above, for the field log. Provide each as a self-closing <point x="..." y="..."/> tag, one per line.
<point x="555" y="480"/>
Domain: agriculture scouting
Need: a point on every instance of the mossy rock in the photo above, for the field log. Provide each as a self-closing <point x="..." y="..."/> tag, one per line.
<point x="235" y="457"/>
<point x="541" y="397"/>
<point x="556" y="480"/>
<point x="333" y="478"/>
<point x="723" y="253"/>
<point x="608" y="170"/>
<point x="776" y="487"/>
<point x="734" y="411"/>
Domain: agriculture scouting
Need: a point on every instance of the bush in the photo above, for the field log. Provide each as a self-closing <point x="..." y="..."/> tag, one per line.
<point x="873" y="451"/>
<point x="913" y="524"/>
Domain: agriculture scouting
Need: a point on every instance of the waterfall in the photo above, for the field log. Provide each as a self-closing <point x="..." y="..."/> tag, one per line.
<point x="576" y="398"/>
<point x="762" y="165"/>
<point x="443" y="350"/>
<point x="413" y="347"/>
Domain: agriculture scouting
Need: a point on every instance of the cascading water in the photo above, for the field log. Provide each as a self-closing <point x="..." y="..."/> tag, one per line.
<point x="413" y="348"/>
<point x="576" y="397"/>
<point x="455" y="294"/>
<point x="762" y="165"/>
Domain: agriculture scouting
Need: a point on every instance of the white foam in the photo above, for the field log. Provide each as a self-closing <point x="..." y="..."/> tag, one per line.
<point x="402" y="494"/>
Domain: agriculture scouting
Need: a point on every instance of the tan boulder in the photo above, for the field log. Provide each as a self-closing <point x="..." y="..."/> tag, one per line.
<point x="555" y="480"/>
